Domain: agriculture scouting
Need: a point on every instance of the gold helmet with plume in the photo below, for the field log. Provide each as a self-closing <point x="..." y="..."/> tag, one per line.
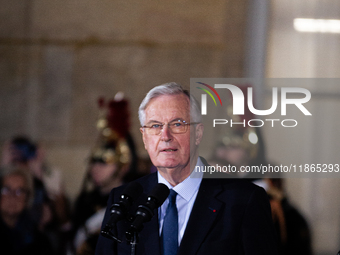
<point x="113" y="125"/>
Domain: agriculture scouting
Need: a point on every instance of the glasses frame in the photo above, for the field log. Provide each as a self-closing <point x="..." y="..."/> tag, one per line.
<point x="162" y="124"/>
<point x="19" y="192"/>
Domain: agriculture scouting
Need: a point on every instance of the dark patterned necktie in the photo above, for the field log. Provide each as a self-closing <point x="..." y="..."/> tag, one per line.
<point x="170" y="227"/>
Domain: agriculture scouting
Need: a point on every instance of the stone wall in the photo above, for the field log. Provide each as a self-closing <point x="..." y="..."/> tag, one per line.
<point x="58" y="57"/>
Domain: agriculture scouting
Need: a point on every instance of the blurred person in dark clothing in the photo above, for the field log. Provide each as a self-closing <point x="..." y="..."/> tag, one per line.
<point x="19" y="233"/>
<point x="50" y="209"/>
<point x="293" y="230"/>
<point x="21" y="151"/>
<point x="112" y="162"/>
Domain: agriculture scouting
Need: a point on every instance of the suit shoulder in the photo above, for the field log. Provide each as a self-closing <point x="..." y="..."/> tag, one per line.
<point x="238" y="183"/>
<point x="237" y="188"/>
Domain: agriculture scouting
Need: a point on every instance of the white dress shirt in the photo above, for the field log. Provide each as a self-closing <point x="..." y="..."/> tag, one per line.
<point x="187" y="191"/>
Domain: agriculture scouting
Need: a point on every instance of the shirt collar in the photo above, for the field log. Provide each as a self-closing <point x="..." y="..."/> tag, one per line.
<point x="187" y="188"/>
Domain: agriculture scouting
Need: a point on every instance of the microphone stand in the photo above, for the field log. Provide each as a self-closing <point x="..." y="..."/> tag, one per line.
<point x="132" y="238"/>
<point x="106" y="232"/>
<point x="133" y="243"/>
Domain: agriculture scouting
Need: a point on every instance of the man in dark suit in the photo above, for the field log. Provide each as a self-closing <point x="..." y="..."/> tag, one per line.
<point x="201" y="216"/>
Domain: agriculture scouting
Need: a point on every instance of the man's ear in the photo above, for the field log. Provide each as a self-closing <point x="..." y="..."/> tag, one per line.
<point x="143" y="136"/>
<point x="199" y="133"/>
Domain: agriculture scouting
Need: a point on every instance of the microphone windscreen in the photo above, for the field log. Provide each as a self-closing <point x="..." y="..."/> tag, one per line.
<point x="160" y="192"/>
<point x="133" y="190"/>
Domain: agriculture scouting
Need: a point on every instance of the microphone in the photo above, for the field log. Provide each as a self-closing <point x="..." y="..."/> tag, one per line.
<point x="145" y="211"/>
<point x="119" y="210"/>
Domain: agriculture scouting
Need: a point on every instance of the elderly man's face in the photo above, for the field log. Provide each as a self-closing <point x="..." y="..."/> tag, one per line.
<point x="168" y="150"/>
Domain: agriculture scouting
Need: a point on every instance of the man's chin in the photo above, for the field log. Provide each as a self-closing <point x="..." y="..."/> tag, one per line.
<point x="167" y="166"/>
<point x="170" y="165"/>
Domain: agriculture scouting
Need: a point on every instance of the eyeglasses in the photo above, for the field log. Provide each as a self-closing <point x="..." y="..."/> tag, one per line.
<point x="175" y="126"/>
<point x="19" y="192"/>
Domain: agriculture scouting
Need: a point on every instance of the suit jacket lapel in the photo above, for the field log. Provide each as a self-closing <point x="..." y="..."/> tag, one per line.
<point x="203" y="215"/>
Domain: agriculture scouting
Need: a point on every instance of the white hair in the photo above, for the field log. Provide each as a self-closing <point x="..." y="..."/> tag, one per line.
<point x="171" y="88"/>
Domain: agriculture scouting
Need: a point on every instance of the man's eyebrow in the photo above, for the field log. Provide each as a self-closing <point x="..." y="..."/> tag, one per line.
<point x="153" y="121"/>
<point x="157" y="121"/>
<point x="177" y="119"/>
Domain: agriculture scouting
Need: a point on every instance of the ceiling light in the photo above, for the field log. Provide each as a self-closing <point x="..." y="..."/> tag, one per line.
<point x="317" y="25"/>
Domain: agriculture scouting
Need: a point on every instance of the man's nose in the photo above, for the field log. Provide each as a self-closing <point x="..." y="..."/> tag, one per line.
<point x="166" y="133"/>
